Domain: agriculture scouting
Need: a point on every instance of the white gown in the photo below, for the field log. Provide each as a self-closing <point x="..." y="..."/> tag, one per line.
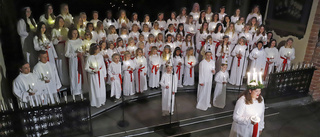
<point x="112" y="37"/>
<point x="72" y="46"/>
<point x="248" y="37"/>
<point x="259" y="17"/>
<point x="223" y="59"/>
<point x="178" y="70"/>
<point x="61" y="61"/>
<point x="68" y="19"/>
<point x="167" y="94"/>
<point x="272" y="53"/>
<point x="46" y="70"/>
<point x="260" y="63"/>
<point x="283" y="53"/>
<point x="219" y="97"/>
<point x="139" y="74"/>
<point x="23" y="83"/>
<point x="241" y="125"/>
<point x="96" y="69"/>
<point x="114" y="70"/>
<point x="205" y="77"/>
<point x="108" y="22"/>
<point x="185" y="46"/>
<point x="188" y="79"/>
<point x="154" y="74"/>
<point x="128" y="78"/>
<point x="235" y="77"/>
<point x="40" y="45"/>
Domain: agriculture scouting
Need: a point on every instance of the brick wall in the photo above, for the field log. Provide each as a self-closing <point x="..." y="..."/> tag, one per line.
<point x="313" y="55"/>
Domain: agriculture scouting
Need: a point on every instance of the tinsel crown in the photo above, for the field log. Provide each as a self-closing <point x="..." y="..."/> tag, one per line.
<point x="254" y="85"/>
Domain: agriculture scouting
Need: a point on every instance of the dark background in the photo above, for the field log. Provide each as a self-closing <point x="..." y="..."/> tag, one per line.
<point x="10" y="11"/>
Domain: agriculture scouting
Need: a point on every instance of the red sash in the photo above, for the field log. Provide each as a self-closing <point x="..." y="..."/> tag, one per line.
<point x="266" y="70"/>
<point x="202" y="43"/>
<point x="47" y="54"/>
<point x="120" y="81"/>
<point x="98" y="75"/>
<point x="154" y="67"/>
<point x="79" y="70"/>
<point x="239" y="58"/>
<point x="178" y="71"/>
<point x="190" y="63"/>
<point x="285" y="61"/>
<point x="139" y="71"/>
<point x="255" y="130"/>
<point x="130" y="72"/>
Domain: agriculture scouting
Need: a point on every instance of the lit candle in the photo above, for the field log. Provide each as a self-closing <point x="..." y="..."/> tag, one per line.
<point x="74" y="98"/>
<point x="254" y="75"/>
<point x="224" y="78"/>
<point x="248" y="78"/>
<point x="95" y="65"/>
<point x="239" y="51"/>
<point x="260" y="77"/>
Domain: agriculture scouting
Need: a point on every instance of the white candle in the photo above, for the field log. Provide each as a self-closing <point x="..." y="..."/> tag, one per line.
<point x="65" y="98"/>
<point x="248" y="78"/>
<point x="254" y="75"/>
<point x="260" y="77"/>
<point x="239" y="51"/>
<point x="81" y="96"/>
<point x="74" y="98"/>
<point x="224" y="78"/>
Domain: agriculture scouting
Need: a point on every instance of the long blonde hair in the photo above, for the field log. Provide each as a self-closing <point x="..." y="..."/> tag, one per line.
<point x="164" y="55"/>
<point x="187" y="54"/>
<point x="229" y="29"/>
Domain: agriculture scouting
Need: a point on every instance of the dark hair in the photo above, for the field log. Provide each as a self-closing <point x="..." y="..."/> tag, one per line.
<point x="56" y="23"/>
<point x="216" y="29"/>
<point x="134" y="13"/>
<point x="248" y="98"/>
<point x="201" y="29"/>
<point x="271" y="42"/>
<point x="89" y="23"/>
<point x="259" y="42"/>
<point x="224" y="21"/>
<point x="178" y="30"/>
<point x="22" y="63"/>
<point x="38" y="32"/>
<point x="93" y="48"/>
<point x="70" y="33"/>
<point x="204" y="20"/>
<point x="24" y="17"/>
<point x="46" y="7"/>
<point x="214" y="14"/>
<point x="41" y="52"/>
<point x="175" y="50"/>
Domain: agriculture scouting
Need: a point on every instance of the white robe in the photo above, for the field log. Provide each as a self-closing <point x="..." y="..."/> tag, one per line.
<point x="75" y="75"/>
<point x="114" y="70"/>
<point x="188" y="79"/>
<point x="171" y="81"/>
<point x="23" y="83"/>
<point x="108" y="22"/>
<point x="61" y="61"/>
<point x="272" y="53"/>
<point x="234" y="19"/>
<point x="219" y="97"/>
<point x="174" y="22"/>
<point x="112" y="37"/>
<point x="284" y="52"/>
<point x="46" y="70"/>
<point x="128" y="78"/>
<point x="146" y="35"/>
<point x="68" y="19"/>
<point x="195" y="15"/>
<point x="259" y="17"/>
<point x="154" y="75"/>
<point x="134" y="22"/>
<point x="96" y="69"/>
<point x="185" y="47"/>
<point x="260" y="63"/>
<point x="227" y="58"/>
<point x="134" y="35"/>
<point x="143" y="78"/>
<point x="238" y="27"/>
<point x="260" y="37"/>
<point x="212" y="25"/>
<point x="200" y="38"/>
<point x="40" y="45"/>
<point x="205" y="77"/>
<point x="178" y="70"/>
<point x="235" y="77"/>
<point x="182" y="19"/>
<point x="241" y="125"/>
<point x="248" y="37"/>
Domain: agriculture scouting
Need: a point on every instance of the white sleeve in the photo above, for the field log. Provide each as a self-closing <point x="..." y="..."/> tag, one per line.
<point x="202" y="74"/>
<point x="22" y="28"/>
<point x="261" y="123"/>
<point x="21" y="95"/>
<point x="239" y="112"/>
<point x="162" y="81"/>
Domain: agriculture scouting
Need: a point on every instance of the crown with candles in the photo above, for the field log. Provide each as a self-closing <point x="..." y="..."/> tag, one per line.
<point x="256" y="81"/>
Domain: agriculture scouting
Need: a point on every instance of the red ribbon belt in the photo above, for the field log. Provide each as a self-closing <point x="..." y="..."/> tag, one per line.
<point x="255" y="130"/>
<point x="154" y="67"/>
<point x="239" y="58"/>
<point x="79" y="70"/>
<point x="47" y="55"/>
<point x="139" y="71"/>
<point x="285" y="61"/>
<point x="130" y="72"/>
<point x="98" y="75"/>
<point x="202" y="43"/>
<point x="178" y="71"/>
<point x="190" y="63"/>
<point x="120" y="81"/>
<point x="266" y="70"/>
<point x="62" y="42"/>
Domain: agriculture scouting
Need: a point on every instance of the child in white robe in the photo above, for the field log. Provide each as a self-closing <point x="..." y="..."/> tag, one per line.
<point x="189" y="62"/>
<point x="224" y="53"/>
<point x="131" y="48"/>
<point x="48" y="73"/>
<point x="272" y="55"/>
<point x="134" y="33"/>
<point x="186" y="44"/>
<point x="169" y="88"/>
<point x="240" y="53"/>
<point x="112" y="34"/>
<point x="27" y="87"/>
<point x="97" y="74"/>
<point x="258" y="58"/>
<point x="74" y="53"/>
<point x="221" y="78"/>
<point x="128" y="76"/>
<point x="155" y="64"/>
<point x="166" y="58"/>
<point x="178" y="64"/>
<point x="287" y="54"/>
<point x="141" y="71"/>
<point x="206" y="71"/>
<point x="114" y="72"/>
